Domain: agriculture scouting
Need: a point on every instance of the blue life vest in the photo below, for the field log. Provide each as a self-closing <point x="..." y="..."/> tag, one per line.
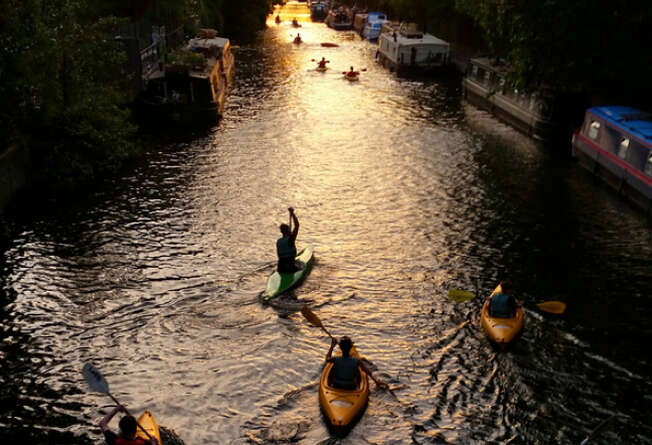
<point x="345" y="369"/>
<point x="286" y="249"/>
<point x="502" y="306"/>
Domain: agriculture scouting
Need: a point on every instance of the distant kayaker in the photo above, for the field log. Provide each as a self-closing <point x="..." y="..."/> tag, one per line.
<point x="345" y="367"/>
<point x="128" y="427"/>
<point x="503" y="303"/>
<point x="278" y="19"/>
<point x="352" y="73"/>
<point x="297" y="39"/>
<point x="323" y="62"/>
<point x="285" y="246"/>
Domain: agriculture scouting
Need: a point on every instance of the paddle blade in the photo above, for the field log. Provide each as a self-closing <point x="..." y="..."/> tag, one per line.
<point x="553" y="307"/>
<point x="460" y="296"/>
<point x="95" y="379"/>
<point x="311" y="317"/>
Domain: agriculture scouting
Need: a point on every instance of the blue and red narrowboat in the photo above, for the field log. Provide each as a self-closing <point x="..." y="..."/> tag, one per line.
<point x="615" y="143"/>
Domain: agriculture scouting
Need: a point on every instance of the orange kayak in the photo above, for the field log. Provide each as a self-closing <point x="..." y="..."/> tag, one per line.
<point x="343" y="406"/>
<point x="146" y="420"/>
<point x="501" y="330"/>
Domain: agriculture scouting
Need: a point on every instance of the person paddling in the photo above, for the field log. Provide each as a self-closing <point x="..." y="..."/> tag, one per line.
<point x="323" y="62"/>
<point x="128" y="427"/>
<point x="297" y="39"/>
<point x="286" y="248"/>
<point x="503" y="304"/>
<point x="345" y="367"/>
<point x="352" y="73"/>
<point x="278" y="19"/>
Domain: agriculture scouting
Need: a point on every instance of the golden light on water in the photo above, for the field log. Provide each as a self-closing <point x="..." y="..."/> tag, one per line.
<point x="289" y="11"/>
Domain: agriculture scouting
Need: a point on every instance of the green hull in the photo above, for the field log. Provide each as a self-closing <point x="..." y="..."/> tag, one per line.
<point x="280" y="282"/>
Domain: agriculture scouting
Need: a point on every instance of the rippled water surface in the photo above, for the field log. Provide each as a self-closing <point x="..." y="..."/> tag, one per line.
<point x="405" y="192"/>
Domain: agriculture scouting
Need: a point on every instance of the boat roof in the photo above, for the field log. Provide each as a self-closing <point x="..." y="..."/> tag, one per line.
<point x="375" y="14"/>
<point x="220" y="42"/>
<point x="637" y="122"/>
<point x="488" y="63"/>
<point x="426" y="39"/>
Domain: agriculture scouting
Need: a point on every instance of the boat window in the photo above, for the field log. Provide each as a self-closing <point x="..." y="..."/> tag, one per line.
<point x="594" y="130"/>
<point x="648" y="166"/>
<point x="622" y="148"/>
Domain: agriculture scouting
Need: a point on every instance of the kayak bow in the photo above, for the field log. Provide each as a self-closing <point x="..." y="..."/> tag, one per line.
<point x="501" y="330"/>
<point x="280" y="282"/>
<point x="146" y="420"/>
<point x="343" y="406"/>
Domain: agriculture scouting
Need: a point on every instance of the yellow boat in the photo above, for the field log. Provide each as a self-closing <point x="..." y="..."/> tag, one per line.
<point x="146" y="420"/>
<point x="501" y="330"/>
<point x="343" y="406"/>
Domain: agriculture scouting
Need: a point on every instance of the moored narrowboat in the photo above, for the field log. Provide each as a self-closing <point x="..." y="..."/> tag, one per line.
<point x="615" y="143"/>
<point x="373" y="25"/>
<point x="529" y="112"/>
<point x="405" y="49"/>
<point x="193" y="85"/>
<point x="340" y="19"/>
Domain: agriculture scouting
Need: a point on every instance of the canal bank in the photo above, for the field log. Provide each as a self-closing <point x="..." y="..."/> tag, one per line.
<point x="15" y="164"/>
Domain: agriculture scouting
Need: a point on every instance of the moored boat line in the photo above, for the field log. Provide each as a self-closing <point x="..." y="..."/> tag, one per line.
<point x="615" y="144"/>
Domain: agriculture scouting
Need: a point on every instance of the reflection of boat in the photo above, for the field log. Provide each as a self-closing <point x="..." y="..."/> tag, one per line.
<point x="405" y="48"/>
<point x="484" y="87"/>
<point x="501" y="330"/>
<point x="340" y="18"/>
<point x="373" y="25"/>
<point x="192" y="87"/>
<point x="342" y="407"/>
<point x="615" y="143"/>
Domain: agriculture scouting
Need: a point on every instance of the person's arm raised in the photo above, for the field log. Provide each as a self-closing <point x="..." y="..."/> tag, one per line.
<point x="295" y="220"/>
<point x="104" y="423"/>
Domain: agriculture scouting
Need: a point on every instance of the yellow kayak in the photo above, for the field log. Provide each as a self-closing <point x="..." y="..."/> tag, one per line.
<point x="343" y="406"/>
<point x="146" y="420"/>
<point x="501" y="330"/>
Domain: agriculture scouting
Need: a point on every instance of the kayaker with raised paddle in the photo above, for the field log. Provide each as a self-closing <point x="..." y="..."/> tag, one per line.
<point x="503" y="304"/>
<point x="128" y="429"/>
<point x="323" y="62"/>
<point x="345" y="367"/>
<point x="286" y="247"/>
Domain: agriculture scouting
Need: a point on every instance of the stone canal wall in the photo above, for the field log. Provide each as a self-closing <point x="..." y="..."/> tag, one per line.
<point x="14" y="165"/>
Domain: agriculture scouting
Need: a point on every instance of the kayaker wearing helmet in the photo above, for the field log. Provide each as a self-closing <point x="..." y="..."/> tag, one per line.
<point x="285" y="246"/>
<point x="345" y="367"/>
<point x="503" y="304"/>
<point x="128" y="427"/>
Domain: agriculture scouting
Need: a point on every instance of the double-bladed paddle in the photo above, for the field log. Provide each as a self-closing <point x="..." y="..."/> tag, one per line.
<point x="315" y="321"/>
<point x="97" y="382"/>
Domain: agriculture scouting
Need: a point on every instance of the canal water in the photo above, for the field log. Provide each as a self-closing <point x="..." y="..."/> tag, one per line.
<point x="405" y="192"/>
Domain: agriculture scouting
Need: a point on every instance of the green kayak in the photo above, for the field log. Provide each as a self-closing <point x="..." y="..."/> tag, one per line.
<point x="280" y="282"/>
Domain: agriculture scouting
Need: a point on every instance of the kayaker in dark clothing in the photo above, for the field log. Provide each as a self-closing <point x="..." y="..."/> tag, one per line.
<point x="345" y="367"/>
<point x="128" y="427"/>
<point x="323" y="62"/>
<point x="285" y="246"/>
<point x="503" y="304"/>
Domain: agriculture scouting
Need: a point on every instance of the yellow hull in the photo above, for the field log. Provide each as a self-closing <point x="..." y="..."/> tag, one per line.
<point x="146" y="420"/>
<point x="342" y="406"/>
<point x="501" y="330"/>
